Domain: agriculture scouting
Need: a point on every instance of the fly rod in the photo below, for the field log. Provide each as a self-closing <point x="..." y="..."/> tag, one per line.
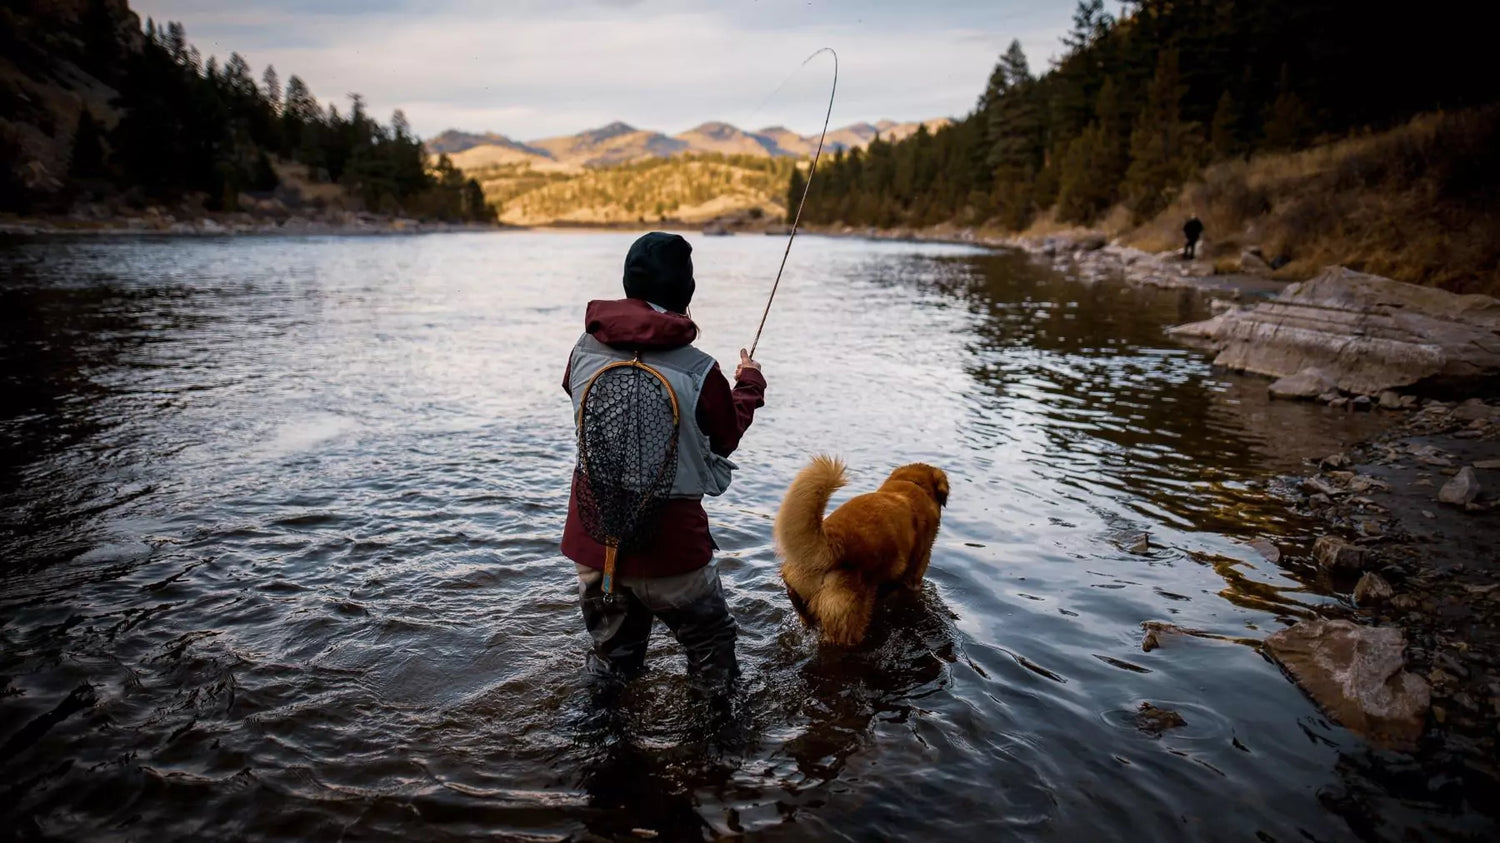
<point x="813" y="168"/>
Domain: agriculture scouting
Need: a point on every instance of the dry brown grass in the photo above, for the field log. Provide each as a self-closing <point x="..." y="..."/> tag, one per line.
<point x="1418" y="203"/>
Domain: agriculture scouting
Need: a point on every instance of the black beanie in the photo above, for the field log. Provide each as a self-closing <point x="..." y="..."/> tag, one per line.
<point x="659" y="269"/>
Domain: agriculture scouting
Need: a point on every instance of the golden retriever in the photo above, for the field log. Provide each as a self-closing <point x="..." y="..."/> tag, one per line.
<point x="835" y="567"/>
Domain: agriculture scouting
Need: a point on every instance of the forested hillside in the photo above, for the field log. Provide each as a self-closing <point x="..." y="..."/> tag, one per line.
<point x="1140" y="104"/>
<point x="100" y="111"/>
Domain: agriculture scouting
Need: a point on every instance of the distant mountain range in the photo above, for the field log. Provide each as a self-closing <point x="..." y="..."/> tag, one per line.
<point x="620" y="143"/>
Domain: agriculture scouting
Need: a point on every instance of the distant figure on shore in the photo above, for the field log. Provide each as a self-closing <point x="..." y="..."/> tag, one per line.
<point x="1192" y="229"/>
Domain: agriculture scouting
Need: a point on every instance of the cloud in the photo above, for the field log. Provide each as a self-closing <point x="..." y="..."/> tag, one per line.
<point x="532" y="70"/>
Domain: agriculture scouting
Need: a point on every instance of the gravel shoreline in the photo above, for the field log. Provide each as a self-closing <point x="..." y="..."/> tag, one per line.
<point x="1412" y="543"/>
<point x="230" y="224"/>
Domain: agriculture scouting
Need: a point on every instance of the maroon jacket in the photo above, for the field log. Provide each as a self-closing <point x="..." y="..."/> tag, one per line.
<point x="682" y="541"/>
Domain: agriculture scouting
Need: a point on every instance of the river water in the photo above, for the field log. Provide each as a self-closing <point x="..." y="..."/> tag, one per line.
<point x="280" y="557"/>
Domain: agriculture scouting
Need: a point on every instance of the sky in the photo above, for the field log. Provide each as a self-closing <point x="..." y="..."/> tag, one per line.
<point x="531" y="70"/>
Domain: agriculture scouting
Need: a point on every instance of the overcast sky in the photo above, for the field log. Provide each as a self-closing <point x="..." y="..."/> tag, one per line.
<point x="536" y="69"/>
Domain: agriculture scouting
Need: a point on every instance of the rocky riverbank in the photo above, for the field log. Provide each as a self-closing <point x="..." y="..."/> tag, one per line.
<point x="1412" y="547"/>
<point x="1091" y="257"/>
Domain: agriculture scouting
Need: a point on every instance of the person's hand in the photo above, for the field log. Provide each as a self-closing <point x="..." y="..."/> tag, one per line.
<point x="745" y="363"/>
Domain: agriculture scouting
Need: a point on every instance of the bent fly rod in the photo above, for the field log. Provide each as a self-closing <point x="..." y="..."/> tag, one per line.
<point x="813" y="168"/>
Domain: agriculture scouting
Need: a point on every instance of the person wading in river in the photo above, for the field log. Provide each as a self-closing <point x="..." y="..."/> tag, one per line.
<point x="671" y="577"/>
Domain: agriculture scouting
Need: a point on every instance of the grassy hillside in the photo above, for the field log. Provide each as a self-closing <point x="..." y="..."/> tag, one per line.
<point x="685" y="188"/>
<point x="1418" y="203"/>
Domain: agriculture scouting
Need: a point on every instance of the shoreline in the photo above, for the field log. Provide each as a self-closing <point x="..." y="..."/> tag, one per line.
<point x="232" y="224"/>
<point x="1410" y="543"/>
<point x="1085" y="255"/>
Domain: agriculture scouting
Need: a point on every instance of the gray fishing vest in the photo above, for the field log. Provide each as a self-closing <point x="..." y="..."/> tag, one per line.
<point x="699" y="470"/>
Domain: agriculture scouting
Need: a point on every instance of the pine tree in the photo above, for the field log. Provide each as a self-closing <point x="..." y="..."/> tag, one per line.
<point x="176" y="42"/>
<point x="1163" y="149"/>
<point x="1286" y="119"/>
<point x="300" y="104"/>
<point x="1224" y="132"/>
<point x="272" y="86"/>
<point x="237" y="77"/>
<point x="796" y="184"/>
<point x="1016" y="135"/>
<point x="87" y="161"/>
<point x="1015" y="128"/>
<point x="1090" y="23"/>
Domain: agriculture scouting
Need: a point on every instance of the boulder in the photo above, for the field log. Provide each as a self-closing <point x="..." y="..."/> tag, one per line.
<point x="1308" y="383"/>
<point x="1335" y="461"/>
<point x="1372" y="589"/>
<point x="1253" y="263"/>
<point x="1090" y="243"/>
<point x="1357" y="675"/>
<point x="1390" y="399"/>
<point x="1336" y="554"/>
<point x="1473" y="410"/>
<point x="1366" y="332"/>
<point x="1462" y="489"/>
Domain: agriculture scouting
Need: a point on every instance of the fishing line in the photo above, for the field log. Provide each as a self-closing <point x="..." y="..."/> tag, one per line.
<point x="813" y="168"/>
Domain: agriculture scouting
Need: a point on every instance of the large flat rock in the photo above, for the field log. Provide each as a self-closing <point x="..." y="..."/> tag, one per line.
<point x="1357" y="675"/>
<point x="1366" y="332"/>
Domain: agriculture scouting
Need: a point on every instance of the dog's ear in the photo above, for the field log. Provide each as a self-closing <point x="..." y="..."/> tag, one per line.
<point x="940" y="486"/>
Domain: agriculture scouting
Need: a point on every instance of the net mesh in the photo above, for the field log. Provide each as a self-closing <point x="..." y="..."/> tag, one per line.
<point x="627" y="455"/>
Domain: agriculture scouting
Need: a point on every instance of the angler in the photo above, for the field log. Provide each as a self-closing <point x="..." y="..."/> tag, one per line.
<point x="657" y="422"/>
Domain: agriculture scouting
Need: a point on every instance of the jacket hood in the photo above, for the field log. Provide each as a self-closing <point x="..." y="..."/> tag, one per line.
<point x="633" y="325"/>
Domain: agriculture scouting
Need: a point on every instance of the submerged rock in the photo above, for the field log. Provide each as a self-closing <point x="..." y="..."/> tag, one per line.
<point x="1154" y="721"/>
<point x="1268" y="551"/>
<point x="1357" y="675"/>
<point x="1336" y="554"/>
<point x="1308" y="383"/>
<point x="1366" y="332"/>
<point x="1372" y="589"/>
<point x="1462" y="489"/>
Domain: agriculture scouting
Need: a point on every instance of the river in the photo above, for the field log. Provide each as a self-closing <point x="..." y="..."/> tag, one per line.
<point x="280" y="526"/>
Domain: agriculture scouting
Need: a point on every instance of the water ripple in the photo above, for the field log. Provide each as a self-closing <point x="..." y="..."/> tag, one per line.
<point x="280" y="538"/>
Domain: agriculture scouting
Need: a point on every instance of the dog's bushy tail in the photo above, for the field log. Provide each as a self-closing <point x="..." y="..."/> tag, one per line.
<point x="804" y="548"/>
